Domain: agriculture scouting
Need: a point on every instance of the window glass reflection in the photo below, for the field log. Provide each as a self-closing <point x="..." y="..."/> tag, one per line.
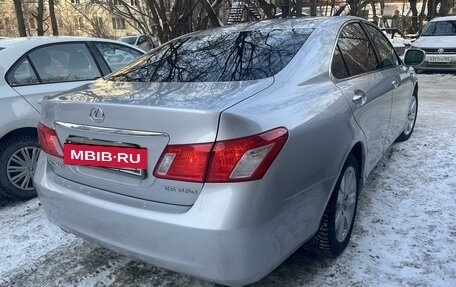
<point x="216" y="57"/>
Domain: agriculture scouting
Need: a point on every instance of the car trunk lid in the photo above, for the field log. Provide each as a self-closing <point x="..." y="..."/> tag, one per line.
<point x="145" y="115"/>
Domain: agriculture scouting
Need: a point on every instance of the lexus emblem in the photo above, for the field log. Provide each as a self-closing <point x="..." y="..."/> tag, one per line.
<point x="97" y="115"/>
<point x="441" y="51"/>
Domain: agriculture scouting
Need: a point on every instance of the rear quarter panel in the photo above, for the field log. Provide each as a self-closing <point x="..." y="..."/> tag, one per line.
<point x="303" y="99"/>
<point x="321" y="133"/>
<point x="15" y="111"/>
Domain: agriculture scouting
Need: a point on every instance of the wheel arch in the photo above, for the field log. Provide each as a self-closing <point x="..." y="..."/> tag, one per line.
<point x="358" y="152"/>
<point x="20" y="131"/>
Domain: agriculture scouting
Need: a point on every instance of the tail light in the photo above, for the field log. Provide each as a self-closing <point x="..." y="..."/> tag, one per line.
<point x="49" y="141"/>
<point x="242" y="159"/>
<point x="246" y="158"/>
<point x="184" y="162"/>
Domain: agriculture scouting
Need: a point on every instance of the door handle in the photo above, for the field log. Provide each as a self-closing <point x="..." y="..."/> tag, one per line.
<point x="359" y="97"/>
<point x="395" y="84"/>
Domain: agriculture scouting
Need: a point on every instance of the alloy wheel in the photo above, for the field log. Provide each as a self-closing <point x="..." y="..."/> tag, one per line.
<point x="20" y="167"/>
<point x="411" y="116"/>
<point x="346" y="204"/>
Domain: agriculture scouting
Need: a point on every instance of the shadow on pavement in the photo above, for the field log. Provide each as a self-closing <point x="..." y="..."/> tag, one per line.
<point x="6" y="201"/>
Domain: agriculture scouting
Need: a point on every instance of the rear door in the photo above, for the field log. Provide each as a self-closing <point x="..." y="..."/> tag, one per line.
<point x="366" y="87"/>
<point x="402" y="81"/>
<point x="52" y="69"/>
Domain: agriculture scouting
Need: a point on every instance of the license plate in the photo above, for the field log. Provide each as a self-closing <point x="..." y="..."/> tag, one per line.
<point x="105" y="156"/>
<point x="439" y="59"/>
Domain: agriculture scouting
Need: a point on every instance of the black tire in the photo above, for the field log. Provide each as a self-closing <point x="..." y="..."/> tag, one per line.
<point x="7" y="149"/>
<point x="407" y="133"/>
<point x="325" y="241"/>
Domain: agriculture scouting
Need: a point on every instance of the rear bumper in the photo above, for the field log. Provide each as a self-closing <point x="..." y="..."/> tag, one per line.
<point x="232" y="235"/>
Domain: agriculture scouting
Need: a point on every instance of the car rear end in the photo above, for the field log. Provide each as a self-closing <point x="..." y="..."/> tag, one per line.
<point x="186" y="209"/>
<point x="139" y="168"/>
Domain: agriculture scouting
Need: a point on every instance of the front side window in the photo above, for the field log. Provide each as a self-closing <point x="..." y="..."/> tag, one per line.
<point x="440" y="28"/>
<point x="386" y="54"/>
<point x="356" y="50"/>
<point x="115" y="55"/>
<point x="218" y="57"/>
<point x="63" y="63"/>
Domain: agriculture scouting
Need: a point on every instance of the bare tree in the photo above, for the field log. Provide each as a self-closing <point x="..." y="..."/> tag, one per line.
<point x="20" y="18"/>
<point x="167" y="19"/>
<point x="55" y="29"/>
<point x="39" y="16"/>
<point x="414" y="9"/>
<point x="434" y="9"/>
<point x="87" y="20"/>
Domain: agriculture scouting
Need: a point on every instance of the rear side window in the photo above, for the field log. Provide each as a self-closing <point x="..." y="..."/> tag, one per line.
<point x="356" y="50"/>
<point x="387" y="56"/>
<point x="22" y="74"/>
<point x="338" y="66"/>
<point x="217" y="57"/>
<point x="63" y="63"/>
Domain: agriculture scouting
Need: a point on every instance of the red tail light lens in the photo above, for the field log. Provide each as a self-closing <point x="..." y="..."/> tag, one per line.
<point x="241" y="159"/>
<point x="184" y="162"/>
<point x="246" y="158"/>
<point x="49" y="141"/>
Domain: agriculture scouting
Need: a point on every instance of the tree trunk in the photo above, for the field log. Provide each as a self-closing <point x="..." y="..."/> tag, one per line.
<point x="414" y="15"/>
<point x="432" y="7"/>
<point x="445" y="7"/>
<point x="313" y="8"/>
<point x="353" y="7"/>
<point x="298" y="7"/>
<point x="20" y="18"/>
<point x="40" y="18"/>
<point x="55" y="29"/>
<point x="422" y="15"/>
<point x="215" y="21"/>
<point x="268" y="8"/>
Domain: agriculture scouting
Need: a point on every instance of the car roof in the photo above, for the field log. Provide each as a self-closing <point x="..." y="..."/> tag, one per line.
<point x="286" y="23"/>
<point x="32" y="42"/>
<point x="446" y="18"/>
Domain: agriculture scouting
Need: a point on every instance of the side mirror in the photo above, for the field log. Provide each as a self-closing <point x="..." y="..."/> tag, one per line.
<point x="414" y="57"/>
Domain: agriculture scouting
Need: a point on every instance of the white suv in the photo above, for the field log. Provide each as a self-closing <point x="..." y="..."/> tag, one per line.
<point x="438" y="40"/>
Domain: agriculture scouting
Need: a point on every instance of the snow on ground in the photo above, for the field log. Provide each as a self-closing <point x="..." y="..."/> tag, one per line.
<point x="405" y="234"/>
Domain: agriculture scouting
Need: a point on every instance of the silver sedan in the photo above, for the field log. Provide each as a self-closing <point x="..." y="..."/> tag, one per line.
<point x="222" y="152"/>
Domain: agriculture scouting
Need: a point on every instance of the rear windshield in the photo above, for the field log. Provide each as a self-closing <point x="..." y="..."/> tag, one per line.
<point x="440" y="28"/>
<point x="218" y="57"/>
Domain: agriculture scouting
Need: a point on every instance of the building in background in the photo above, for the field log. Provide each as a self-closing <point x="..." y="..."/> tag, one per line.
<point x="74" y="18"/>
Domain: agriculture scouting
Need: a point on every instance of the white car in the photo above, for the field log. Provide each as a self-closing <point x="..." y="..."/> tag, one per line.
<point x="31" y="68"/>
<point x="438" y="40"/>
<point x="139" y="41"/>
